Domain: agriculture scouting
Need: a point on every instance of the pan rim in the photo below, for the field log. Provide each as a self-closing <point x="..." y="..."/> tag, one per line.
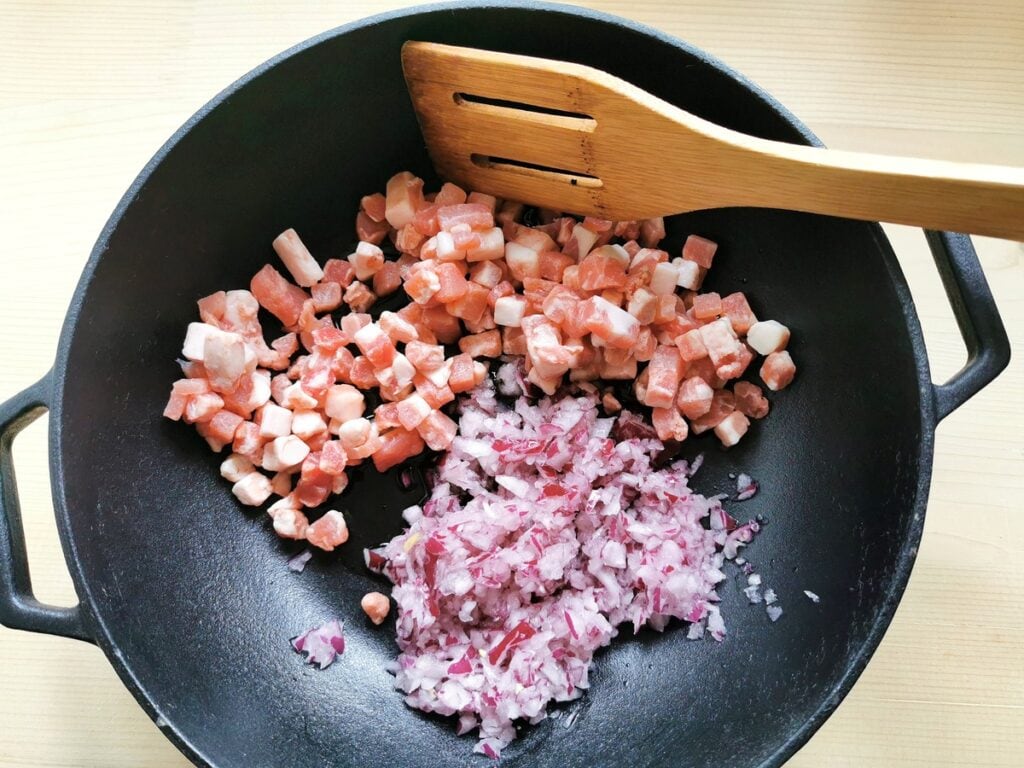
<point x="909" y="547"/>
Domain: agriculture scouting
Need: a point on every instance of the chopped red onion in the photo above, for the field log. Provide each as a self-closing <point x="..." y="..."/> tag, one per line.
<point x="774" y="612"/>
<point x="542" y="535"/>
<point x="374" y="560"/>
<point x="321" y="644"/>
<point x="745" y="487"/>
<point x="696" y="465"/>
<point x="511" y="379"/>
<point x="811" y="596"/>
<point x="770" y="596"/>
<point x="298" y="563"/>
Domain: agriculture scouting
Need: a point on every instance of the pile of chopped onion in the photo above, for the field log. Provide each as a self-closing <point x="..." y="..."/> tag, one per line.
<point x="548" y="526"/>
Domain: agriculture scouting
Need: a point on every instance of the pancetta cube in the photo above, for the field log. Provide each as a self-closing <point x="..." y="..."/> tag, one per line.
<point x="359" y="437"/>
<point x="723" y="402"/>
<point x="436" y="396"/>
<point x="643" y="306"/>
<point x="491" y="247"/>
<point x="490" y="202"/>
<point x="280" y="298"/>
<point x="487" y="344"/>
<point x="669" y="424"/>
<point x="614" y="325"/>
<point x="486" y="273"/>
<point x="235" y="467"/>
<point x="306" y="425"/>
<point x="404" y="198"/>
<point x="580" y="242"/>
<point x="664" y="373"/>
<point x="366" y="260"/>
<point x="362" y="373"/>
<point x="388" y="279"/>
<point x="333" y="458"/>
<point x="694" y="397"/>
<point x="720" y="341"/>
<point x="707" y="306"/>
<point x="474" y="215"/>
<point x="548" y="385"/>
<point x="652" y="231"/>
<point x="699" y="250"/>
<point x="396" y="446"/>
<point x="375" y="345"/>
<point x="396" y="328"/>
<point x="463" y="376"/>
<point x="284" y="452"/>
<point x="509" y="311"/>
<point x="339" y="271"/>
<point x="329" y="531"/>
<point x="290" y="523"/>
<point x="664" y="278"/>
<point x="522" y="262"/>
<point x="624" y="370"/>
<point x="375" y="206"/>
<point x="646" y="343"/>
<point x="358" y="297"/>
<point x="777" y="371"/>
<point x="412" y="410"/>
<point x="248" y="442"/>
<point x="737" y="367"/>
<point x="385" y="416"/>
<point x="222" y="426"/>
<point x="281" y="483"/>
<point x="196" y="336"/>
<point x="736" y="308"/>
<point x="202" y="408"/>
<point x="450" y="194"/>
<point x="691" y="345"/>
<point x="689" y="274"/>
<point x="326" y="296"/>
<point x="553" y="265"/>
<point x="298" y="399"/>
<point x="471" y="306"/>
<point x="403" y="370"/>
<point x="425" y="357"/>
<point x="297" y="259"/>
<point x="733" y="427"/>
<point x="767" y="336"/>
<point x="453" y="285"/>
<point x="252" y="489"/>
<point x="750" y="400"/>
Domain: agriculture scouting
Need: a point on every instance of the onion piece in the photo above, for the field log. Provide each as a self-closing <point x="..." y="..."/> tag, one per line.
<point x="321" y="644"/>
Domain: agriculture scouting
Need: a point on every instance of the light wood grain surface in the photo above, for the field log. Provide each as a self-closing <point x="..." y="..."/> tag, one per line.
<point x="89" y="90"/>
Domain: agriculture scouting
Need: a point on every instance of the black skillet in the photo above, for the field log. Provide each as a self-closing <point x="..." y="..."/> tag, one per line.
<point x="188" y="594"/>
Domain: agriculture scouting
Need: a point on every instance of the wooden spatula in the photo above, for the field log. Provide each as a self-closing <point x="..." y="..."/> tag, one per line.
<point x="572" y="138"/>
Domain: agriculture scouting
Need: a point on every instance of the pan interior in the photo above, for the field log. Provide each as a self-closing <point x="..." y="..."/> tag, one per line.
<point x="193" y="590"/>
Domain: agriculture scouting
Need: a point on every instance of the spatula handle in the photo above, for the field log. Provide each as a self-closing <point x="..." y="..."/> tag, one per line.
<point x="932" y="194"/>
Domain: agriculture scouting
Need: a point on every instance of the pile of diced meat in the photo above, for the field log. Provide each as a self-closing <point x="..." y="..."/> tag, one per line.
<point x="547" y="527"/>
<point x="593" y="299"/>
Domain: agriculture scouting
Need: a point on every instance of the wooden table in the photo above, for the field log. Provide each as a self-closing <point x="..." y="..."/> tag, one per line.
<point x="89" y="90"/>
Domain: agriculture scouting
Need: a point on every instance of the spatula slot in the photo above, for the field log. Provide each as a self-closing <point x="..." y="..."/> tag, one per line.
<point x="562" y="175"/>
<point x="472" y="101"/>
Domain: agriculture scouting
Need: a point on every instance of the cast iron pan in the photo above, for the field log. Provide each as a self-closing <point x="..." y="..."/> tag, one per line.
<point x="188" y="594"/>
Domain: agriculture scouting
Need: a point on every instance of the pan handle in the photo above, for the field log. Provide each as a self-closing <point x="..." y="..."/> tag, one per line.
<point x="988" y="348"/>
<point x="19" y="608"/>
